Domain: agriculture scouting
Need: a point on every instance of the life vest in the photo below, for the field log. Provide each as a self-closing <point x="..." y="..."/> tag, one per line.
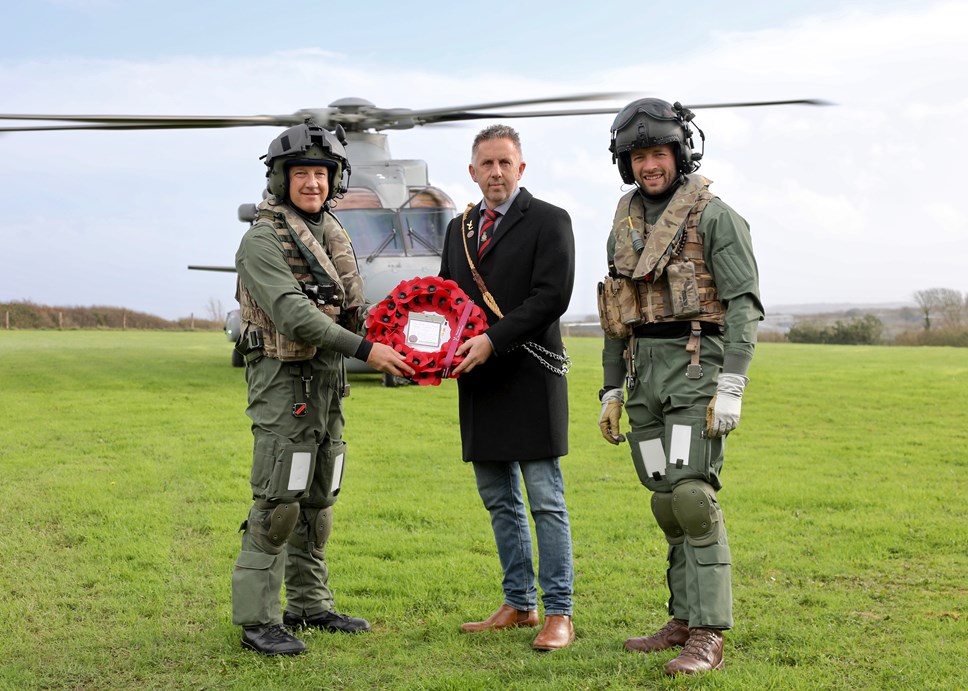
<point x="668" y="264"/>
<point x="330" y="263"/>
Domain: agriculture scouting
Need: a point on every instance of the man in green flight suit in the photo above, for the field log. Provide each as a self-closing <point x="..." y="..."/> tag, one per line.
<point x="680" y="309"/>
<point x="301" y="300"/>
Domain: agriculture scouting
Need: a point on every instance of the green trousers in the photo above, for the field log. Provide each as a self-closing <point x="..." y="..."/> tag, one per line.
<point x="297" y="461"/>
<point x="669" y="447"/>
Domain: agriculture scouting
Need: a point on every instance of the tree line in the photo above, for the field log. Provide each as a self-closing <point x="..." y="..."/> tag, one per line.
<point x="944" y="316"/>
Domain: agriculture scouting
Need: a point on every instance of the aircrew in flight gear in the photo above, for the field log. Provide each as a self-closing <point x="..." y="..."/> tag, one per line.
<point x="680" y="308"/>
<point x="299" y="293"/>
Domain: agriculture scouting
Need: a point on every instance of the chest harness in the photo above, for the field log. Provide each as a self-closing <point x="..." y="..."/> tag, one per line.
<point x="658" y="274"/>
<point x="326" y="271"/>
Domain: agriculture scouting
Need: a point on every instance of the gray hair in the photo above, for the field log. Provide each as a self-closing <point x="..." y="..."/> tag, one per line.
<point x="497" y="132"/>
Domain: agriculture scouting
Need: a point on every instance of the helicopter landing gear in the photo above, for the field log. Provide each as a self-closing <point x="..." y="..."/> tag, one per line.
<point x="391" y="381"/>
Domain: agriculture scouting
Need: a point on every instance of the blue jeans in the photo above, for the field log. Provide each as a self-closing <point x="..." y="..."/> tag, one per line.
<point x="499" y="485"/>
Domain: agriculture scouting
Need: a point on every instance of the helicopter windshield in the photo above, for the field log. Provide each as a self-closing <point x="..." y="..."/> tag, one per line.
<point x="424" y="219"/>
<point x="416" y="229"/>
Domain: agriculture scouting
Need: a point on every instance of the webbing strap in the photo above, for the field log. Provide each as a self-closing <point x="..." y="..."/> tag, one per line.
<point x="694" y="369"/>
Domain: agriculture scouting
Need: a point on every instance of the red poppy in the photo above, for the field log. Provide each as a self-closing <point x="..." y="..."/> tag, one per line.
<point x="387" y="323"/>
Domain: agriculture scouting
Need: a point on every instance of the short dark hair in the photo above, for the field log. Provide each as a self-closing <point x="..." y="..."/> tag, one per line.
<point x="497" y="132"/>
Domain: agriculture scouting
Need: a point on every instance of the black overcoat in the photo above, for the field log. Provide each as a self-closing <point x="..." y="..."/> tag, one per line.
<point x="513" y="408"/>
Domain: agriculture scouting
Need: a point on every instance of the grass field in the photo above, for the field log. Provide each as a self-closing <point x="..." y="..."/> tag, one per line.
<point x="124" y="462"/>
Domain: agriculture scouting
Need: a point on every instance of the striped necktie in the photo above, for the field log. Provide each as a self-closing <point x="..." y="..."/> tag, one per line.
<point x="487" y="224"/>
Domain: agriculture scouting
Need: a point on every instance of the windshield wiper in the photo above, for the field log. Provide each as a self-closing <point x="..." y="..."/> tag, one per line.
<point x="383" y="246"/>
<point x="423" y="241"/>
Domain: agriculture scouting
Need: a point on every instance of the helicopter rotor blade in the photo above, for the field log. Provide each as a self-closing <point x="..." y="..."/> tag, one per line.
<point x="431" y="112"/>
<point x="354" y="115"/>
<point x="224" y="269"/>
<point x="147" y="122"/>
<point x="613" y="111"/>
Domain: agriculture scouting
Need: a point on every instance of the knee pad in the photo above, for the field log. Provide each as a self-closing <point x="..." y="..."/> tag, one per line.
<point x="271" y="524"/>
<point x="666" y="517"/>
<point x="317" y="525"/>
<point x="697" y="511"/>
<point x="319" y="529"/>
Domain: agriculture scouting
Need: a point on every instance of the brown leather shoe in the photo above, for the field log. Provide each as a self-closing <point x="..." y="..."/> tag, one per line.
<point x="557" y="633"/>
<point x="506" y="617"/>
<point x="675" y="633"/>
<point x="702" y="652"/>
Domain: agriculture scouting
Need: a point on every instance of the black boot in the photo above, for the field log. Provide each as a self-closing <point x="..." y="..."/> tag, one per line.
<point x="271" y="639"/>
<point x="327" y="621"/>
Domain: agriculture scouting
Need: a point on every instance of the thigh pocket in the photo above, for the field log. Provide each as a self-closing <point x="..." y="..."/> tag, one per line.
<point x="691" y="453"/>
<point x="293" y="466"/>
<point x="649" y="458"/>
<point x="330" y="473"/>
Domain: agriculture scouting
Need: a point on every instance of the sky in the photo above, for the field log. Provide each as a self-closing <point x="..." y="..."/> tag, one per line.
<point x="848" y="203"/>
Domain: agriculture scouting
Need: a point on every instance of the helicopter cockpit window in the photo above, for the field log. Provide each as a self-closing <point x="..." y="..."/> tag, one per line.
<point x="359" y="198"/>
<point x="424" y="219"/>
<point x="372" y="228"/>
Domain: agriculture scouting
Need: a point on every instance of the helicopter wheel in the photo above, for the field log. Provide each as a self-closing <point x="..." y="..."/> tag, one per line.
<point x="391" y="381"/>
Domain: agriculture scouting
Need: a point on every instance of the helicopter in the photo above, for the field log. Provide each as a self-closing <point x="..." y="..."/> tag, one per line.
<point x="395" y="218"/>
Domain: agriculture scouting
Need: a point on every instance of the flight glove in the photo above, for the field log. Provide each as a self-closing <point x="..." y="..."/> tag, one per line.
<point x="722" y="415"/>
<point x="612" y="402"/>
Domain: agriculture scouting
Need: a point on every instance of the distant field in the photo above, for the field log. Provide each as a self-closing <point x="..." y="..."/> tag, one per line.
<point x="124" y="459"/>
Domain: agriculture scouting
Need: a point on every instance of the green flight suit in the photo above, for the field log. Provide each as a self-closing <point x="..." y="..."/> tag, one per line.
<point x="666" y="411"/>
<point x="297" y="460"/>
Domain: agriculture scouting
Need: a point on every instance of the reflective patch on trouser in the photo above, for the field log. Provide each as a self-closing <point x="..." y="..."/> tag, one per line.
<point x="256" y="581"/>
<point x="281" y="471"/>
<point x="692" y="456"/>
<point x="708" y="573"/>
<point x="649" y="459"/>
<point x="291" y="472"/>
<point x="329" y="476"/>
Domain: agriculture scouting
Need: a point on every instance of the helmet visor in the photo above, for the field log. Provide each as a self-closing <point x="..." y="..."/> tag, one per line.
<point x="654" y="108"/>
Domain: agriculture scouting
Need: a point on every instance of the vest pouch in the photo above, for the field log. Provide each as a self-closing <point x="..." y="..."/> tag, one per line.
<point x="622" y="296"/>
<point x="609" y="311"/>
<point x="288" y="350"/>
<point x="683" y="289"/>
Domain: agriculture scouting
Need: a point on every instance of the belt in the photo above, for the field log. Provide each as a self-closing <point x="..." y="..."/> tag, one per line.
<point x="675" y="329"/>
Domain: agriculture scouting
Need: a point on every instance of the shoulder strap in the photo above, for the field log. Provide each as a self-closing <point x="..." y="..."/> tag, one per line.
<point x="478" y="279"/>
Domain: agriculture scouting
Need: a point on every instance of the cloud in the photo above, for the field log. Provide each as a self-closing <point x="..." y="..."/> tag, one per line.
<point x="835" y="196"/>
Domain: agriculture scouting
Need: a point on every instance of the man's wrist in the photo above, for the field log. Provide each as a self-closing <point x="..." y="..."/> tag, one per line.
<point x="604" y="390"/>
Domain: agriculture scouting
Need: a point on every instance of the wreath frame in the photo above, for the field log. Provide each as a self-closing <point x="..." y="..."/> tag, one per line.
<point x="386" y="322"/>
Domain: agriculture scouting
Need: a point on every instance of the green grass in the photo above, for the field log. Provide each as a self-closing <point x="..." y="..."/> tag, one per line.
<point x="124" y="461"/>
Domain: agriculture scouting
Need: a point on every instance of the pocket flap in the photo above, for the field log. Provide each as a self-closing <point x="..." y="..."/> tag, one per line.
<point x="254" y="560"/>
<point x="714" y="554"/>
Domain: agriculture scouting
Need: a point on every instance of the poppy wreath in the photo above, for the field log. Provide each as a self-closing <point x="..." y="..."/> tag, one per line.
<point x="387" y="322"/>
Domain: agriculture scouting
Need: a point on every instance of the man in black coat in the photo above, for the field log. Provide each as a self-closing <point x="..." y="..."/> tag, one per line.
<point x="514" y="255"/>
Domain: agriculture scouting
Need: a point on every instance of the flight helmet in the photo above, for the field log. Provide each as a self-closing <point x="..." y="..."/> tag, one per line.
<point x="650" y="122"/>
<point x="307" y="144"/>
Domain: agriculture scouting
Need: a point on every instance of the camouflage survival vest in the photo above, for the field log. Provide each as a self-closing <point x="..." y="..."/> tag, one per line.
<point x="660" y="273"/>
<point x="330" y="262"/>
